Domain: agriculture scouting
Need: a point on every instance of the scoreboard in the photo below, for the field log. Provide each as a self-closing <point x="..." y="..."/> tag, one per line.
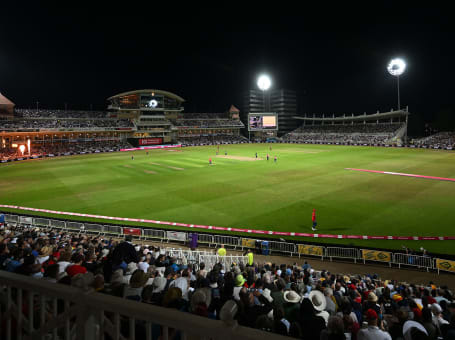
<point x="262" y="121"/>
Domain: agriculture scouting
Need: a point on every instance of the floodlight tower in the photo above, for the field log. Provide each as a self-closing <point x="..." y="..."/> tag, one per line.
<point x="396" y="68"/>
<point x="264" y="84"/>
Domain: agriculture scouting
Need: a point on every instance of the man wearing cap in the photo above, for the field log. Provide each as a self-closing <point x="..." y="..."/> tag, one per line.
<point x="371" y="302"/>
<point x="372" y="332"/>
<point x="239" y="282"/>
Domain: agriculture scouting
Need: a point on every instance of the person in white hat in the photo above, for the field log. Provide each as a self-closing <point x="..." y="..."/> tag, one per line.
<point x="292" y="305"/>
<point x="411" y="330"/>
<point x="319" y="303"/>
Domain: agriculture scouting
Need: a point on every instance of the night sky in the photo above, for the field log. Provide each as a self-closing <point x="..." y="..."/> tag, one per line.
<point x="335" y="59"/>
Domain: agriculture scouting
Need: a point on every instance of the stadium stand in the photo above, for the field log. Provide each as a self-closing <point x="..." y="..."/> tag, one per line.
<point x="63" y="123"/>
<point x="208" y="129"/>
<point x="31" y="113"/>
<point x="64" y="149"/>
<point x="284" y="300"/>
<point x="381" y="133"/>
<point x="441" y="140"/>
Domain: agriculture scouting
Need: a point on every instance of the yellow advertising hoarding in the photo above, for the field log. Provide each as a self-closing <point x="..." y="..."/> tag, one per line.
<point x="446" y="265"/>
<point x="376" y="255"/>
<point x="310" y="250"/>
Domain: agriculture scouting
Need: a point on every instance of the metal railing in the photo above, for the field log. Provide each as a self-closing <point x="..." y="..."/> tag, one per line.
<point x="226" y="261"/>
<point x="342" y="253"/>
<point x="413" y="260"/>
<point x="38" y="309"/>
<point x="214" y="241"/>
<point x="282" y="247"/>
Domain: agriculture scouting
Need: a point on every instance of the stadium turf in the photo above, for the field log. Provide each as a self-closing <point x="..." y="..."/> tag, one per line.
<point x="240" y="191"/>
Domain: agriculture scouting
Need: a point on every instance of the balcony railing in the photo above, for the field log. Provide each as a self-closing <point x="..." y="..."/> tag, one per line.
<point x="37" y="309"/>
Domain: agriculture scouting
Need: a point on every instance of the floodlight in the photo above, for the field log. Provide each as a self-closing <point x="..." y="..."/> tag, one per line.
<point x="22" y="148"/>
<point x="153" y="103"/>
<point x="264" y="82"/>
<point x="396" y="67"/>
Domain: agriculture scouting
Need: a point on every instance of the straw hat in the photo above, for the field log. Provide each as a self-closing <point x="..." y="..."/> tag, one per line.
<point x="291" y="296"/>
<point x="138" y="279"/>
<point x="372" y="297"/>
<point x="408" y="325"/>
<point x="45" y="251"/>
<point x="318" y="300"/>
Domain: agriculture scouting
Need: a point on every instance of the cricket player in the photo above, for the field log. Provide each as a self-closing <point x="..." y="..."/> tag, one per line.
<point x="210" y="161"/>
<point x="313" y="218"/>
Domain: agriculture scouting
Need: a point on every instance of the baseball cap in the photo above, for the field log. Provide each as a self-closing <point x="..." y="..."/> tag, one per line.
<point x="371" y="314"/>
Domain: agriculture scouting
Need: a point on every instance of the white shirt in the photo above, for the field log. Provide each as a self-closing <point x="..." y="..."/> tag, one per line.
<point x="144" y="266"/>
<point x="373" y="333"/>
<point x="62" y="266"/>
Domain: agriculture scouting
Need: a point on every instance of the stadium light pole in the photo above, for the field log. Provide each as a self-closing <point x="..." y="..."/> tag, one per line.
<point x="264" y="84"/>
<point x="396" y="68"/>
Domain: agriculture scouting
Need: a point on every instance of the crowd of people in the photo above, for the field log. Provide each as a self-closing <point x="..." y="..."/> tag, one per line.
<point x="358" y="133"/>
<point x="43" y="113"/>
<point x="291" y="300"/>
<point x="211" y="140"/>
<point x="441" y="140"/>
<point x="209" y="123"/>
<point x="63" y="123"/>
<point x="57" y="149"/>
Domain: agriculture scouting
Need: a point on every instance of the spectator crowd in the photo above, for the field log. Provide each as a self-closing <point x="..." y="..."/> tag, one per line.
<point x="440" y="139"/>
<point x="291" y="300"/>
<point x="357" y="133"/>
<point x="58" y="149"/>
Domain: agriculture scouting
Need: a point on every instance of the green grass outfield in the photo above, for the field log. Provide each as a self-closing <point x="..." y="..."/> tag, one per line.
<point x="179" y="186"/>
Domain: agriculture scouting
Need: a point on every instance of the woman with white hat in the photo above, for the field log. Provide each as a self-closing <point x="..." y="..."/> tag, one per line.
<point x="319" y="303"/>
<point x="310" y="322"/>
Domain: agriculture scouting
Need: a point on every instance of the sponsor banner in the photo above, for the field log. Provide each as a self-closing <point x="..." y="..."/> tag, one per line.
<point x="310" y="250"/>
<point x="25" y="220"/>
<point x="375" y="255"/>
<point x="132" y="231"/>
<point x="150" y="141"/>
<point x="248" y="243"/>
<point x="176" y="235"/>
<point x="446" y="265"/>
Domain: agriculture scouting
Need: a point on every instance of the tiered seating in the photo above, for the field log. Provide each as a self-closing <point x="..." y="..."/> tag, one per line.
<point x="359" y="133"/>
<point x="440" y="139"/>
<point x="290" y="300"/>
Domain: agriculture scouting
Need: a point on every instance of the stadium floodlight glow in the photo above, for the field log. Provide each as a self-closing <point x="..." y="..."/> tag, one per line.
<point x="22" y="148"/>
<point x="153" y="103"/>
<point x="264" y="82"/>
<point x="396" y="67"/>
